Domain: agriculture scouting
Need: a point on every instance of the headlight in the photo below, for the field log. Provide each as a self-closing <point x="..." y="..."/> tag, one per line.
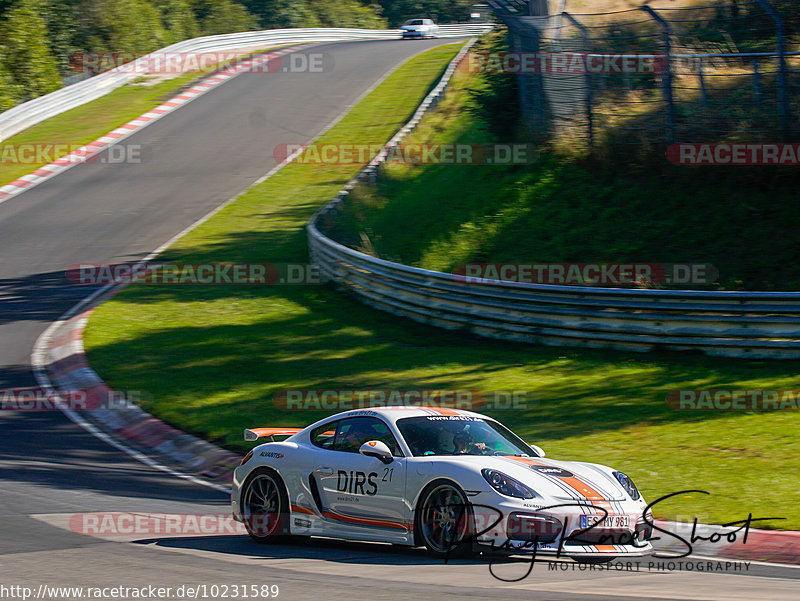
<point x="506" y="485"/>
<point x="247" y="458"/>
<point x="628" y="485"/>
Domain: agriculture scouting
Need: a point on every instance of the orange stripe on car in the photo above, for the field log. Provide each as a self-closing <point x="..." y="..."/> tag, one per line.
<point x="573" y="482"/>
<point x="525" y="460"/>
<point x="355" y="520"/>
<point x="581" y="487"/>
<point x="443" y="410"/>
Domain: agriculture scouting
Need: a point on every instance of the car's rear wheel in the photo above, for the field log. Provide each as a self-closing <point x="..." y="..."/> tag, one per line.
<point x="265" y="506"/>
<point x="444" y="522"/>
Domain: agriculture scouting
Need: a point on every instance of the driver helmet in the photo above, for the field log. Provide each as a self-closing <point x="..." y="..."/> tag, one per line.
<point x="445" y="440"/>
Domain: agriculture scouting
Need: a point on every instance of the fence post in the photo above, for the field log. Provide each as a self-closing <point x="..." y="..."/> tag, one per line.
<point x="783" y="97"/>
<point x="667" y="71"/>
<point x="562" y="5"/>
<point x="667" y="78"/>
<point x="756" y="82"/>
<point x="533" y="103"/>
<point x="589" y="90"/>
<point x="702" y="80"/>
<point x="538" y="8"/>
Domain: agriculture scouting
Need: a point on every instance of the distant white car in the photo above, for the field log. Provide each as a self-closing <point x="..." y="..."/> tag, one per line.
<point x="419" y="28"/>
<point x="447" y="479"/>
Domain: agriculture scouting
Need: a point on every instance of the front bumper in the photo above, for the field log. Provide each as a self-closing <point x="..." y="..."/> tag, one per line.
<point x="514" y="527"/>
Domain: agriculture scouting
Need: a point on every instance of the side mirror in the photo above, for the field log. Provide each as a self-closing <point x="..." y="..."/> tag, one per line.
<point x="537" y="449"/>
<point x="376" y="448"/>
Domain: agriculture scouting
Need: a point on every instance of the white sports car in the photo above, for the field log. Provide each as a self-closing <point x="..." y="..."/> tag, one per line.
<point x="451" y="480"/>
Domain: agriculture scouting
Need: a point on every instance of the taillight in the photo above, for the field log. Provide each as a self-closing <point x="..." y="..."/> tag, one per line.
<point x="246" y="458"/>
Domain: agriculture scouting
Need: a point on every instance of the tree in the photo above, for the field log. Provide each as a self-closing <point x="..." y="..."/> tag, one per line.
<point x="280" y="14"/>
<point x="347" y="13"/>
<point x="444" y="11"/>
<point x="62" y="30"/>
<point x="27" y="55"/>
<point x="131" y="26"/>
<point x="277" y="14"/>
<point x="178" y="20"/>
<point x="227" y="16"/>
<point x="10" y="92"/>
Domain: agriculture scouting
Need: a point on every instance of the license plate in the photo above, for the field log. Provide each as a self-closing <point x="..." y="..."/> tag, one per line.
<point x="609" y="521"/>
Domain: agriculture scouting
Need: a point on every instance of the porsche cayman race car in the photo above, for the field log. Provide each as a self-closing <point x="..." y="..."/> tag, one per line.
<point x="454" y="481"/>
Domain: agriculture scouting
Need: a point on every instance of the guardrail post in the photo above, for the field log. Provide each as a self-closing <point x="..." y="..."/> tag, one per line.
<point x="589" y="87"/>
<point x="783" y="97"/>
<point x="702" y="80"/>
<point x="667" y="76"/>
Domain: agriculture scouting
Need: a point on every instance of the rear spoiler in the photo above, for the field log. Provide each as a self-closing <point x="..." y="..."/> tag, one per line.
<point x="255" y="433"/>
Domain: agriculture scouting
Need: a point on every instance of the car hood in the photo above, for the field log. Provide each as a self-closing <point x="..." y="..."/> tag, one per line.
<point x="558" y="480"/>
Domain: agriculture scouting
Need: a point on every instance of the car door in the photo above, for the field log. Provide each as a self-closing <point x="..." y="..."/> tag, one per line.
<point x="358" y="491"/>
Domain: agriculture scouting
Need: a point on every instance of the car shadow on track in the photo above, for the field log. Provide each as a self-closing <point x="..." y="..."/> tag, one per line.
<point x="319" y="548"/>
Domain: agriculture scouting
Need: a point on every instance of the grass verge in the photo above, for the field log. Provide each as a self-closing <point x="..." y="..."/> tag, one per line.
<point x="212" y="357"/>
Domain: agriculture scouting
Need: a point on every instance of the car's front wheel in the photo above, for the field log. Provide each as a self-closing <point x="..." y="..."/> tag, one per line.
<point x="444" y="522"/>
<point x="265" y="506"/>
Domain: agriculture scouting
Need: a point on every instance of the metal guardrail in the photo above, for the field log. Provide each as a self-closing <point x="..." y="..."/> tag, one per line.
<point x="733" y="324"/>
<point x="34" y="111"/>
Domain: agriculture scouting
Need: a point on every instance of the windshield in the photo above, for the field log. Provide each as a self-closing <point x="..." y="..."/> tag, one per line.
<point x="413" y="22"/>
<point x="459" y="435"/>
